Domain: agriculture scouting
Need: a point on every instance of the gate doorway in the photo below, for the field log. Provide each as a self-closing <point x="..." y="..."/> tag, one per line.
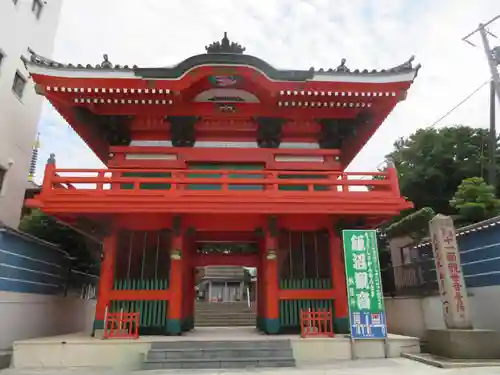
<point x="226" y="277"/>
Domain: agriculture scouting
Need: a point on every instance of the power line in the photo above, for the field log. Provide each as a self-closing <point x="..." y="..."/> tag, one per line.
<point x="460" y="103"/>
<point x="454" y="108"/>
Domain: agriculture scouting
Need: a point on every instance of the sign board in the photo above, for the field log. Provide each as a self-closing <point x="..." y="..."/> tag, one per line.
<point x="364" y="286"/>
<point x="456" y="309"/>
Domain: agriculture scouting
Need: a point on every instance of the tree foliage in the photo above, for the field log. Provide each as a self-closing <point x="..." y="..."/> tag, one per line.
<point x="49" y="229"/>
<point x="432" y="163"/>
<point x="475" y="200"/>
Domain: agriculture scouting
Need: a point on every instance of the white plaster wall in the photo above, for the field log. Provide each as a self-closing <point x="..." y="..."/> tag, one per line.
<point x="20" y="29"/>
<point x="24" y="316"/>
<point x="486" y="307"/>
<point x="412" y="316"/>
<point x="405" y="316"/>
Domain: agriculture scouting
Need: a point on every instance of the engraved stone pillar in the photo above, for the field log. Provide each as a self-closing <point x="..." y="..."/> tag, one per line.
<point x="456" y="308"/>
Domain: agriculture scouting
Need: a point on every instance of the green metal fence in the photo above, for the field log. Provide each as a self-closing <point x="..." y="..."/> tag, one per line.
<point x="225" y="166"/>
<point x="147" y="185"/>
<point x="290" y="310"/>
<point x="302" y="187"/>
<point x="153" y="314"/>
<point x="306" y="283"/>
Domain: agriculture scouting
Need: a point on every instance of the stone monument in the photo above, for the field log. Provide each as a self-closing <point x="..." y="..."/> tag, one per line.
<point x="459" y="340"/>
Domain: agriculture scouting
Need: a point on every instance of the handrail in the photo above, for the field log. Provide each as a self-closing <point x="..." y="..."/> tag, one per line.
<point x="103" y="180"/>
<point x="248" y="297"/>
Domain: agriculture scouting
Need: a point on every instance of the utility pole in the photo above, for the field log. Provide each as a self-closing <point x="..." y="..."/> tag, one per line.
<point x="492" y="55"/>
<point x="493" y="58"/>
<point x="492" y="173"/>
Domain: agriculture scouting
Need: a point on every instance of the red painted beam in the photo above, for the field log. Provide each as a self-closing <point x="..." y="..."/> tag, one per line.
<point x="139" y="295"/>
<point x="292" y="294"/>
<point x="243" y="260"/>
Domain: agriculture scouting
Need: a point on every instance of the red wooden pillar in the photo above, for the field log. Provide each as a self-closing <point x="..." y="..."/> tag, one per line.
<point x="177" y="259"/>
<point x="261" y="280"/>
<point x="50" y="170"/>
<point x="271" y="323"/>
<point x="106" y="280"/>
<point x="189" y="292"/>
<point x="339" y="284"/>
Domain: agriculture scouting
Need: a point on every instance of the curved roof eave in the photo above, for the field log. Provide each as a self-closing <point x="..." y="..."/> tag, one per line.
<point x="42" y="65"/>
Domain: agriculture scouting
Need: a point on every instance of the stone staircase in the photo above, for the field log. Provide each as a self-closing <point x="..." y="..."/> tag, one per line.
<point x="219" y="354"/>
<point x="230" y="314"/>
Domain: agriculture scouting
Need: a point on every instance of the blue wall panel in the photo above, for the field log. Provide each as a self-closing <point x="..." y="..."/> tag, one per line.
<point x="479" y="255"/>
<point x="28" y="265"/>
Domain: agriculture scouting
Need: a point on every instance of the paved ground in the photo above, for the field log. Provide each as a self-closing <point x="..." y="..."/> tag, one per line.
<point x="398" y="366"/>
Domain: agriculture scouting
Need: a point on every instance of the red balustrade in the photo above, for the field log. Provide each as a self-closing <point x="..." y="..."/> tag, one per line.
<point x="316" y="323"/>
<point x="122" y="326"/>
<point x="78" y="180"/>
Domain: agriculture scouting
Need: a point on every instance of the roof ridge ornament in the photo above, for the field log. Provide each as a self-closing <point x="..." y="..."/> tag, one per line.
<point x="225" y="46"/>
<point x="106" y="64"/>
<point x="342" y="67"/>
<point x="40" y="60"/>
<point x="407" y="65"/>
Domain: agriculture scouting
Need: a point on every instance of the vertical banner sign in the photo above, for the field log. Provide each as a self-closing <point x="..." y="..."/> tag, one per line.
<point x="456" y="307"/>
<point x="364" y="286"/>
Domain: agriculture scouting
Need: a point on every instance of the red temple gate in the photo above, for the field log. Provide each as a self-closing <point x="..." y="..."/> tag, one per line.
<point x="220" y="147"/>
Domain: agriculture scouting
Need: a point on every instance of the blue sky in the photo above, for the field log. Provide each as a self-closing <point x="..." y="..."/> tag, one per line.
<point x="288" y="34"/>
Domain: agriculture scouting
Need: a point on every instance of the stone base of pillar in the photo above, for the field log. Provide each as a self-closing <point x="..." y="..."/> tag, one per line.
<point x="464" y="343"/>
<point x="174" y="326"/>
<point x="98" y="327"/>
<point x="188" y="324"/>
<point x="270" y="326"/>
<point x="98" y="333"/>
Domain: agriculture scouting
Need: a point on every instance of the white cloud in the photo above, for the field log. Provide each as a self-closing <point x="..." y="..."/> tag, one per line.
<point x="290" y="34"/>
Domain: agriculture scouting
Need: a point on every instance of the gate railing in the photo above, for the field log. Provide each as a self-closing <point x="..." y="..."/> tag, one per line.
<point x="121" y="325"/>
<point x="314" y="323"/>
<point x="128" y="181"/>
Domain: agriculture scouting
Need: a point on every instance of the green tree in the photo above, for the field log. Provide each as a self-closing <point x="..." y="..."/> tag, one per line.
<point x="475" y="200"/>
<point x="49" y="229"/>
<point x="432" y="163"/>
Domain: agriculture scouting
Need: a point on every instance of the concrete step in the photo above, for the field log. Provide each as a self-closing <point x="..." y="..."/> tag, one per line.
<point x="225" y="321"/>
<point x="225" y="318"/>
<point x="235" y="315"/>
<point x="222" y="344"/>
<point x="221" y="304"/>
<point x="219" y="354"/>
<point x="214" y="353"/>
<point x="224" y="363"/>
<point x="244" y="323"/>
<point x="229" y="309"/>
<point x="224" y="308"/>
<point x="5" y="358"/>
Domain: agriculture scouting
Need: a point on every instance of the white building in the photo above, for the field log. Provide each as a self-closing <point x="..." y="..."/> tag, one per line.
<point x="23" y="24"/>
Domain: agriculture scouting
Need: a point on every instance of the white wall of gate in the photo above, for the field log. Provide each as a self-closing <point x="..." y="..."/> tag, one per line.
<point x="412" y="316"/>
<point x="26" y="315"/>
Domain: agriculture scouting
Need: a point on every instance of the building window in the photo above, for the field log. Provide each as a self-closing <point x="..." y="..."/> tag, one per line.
<point x="37" y="7"/>
<point x="19" y="84"/>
